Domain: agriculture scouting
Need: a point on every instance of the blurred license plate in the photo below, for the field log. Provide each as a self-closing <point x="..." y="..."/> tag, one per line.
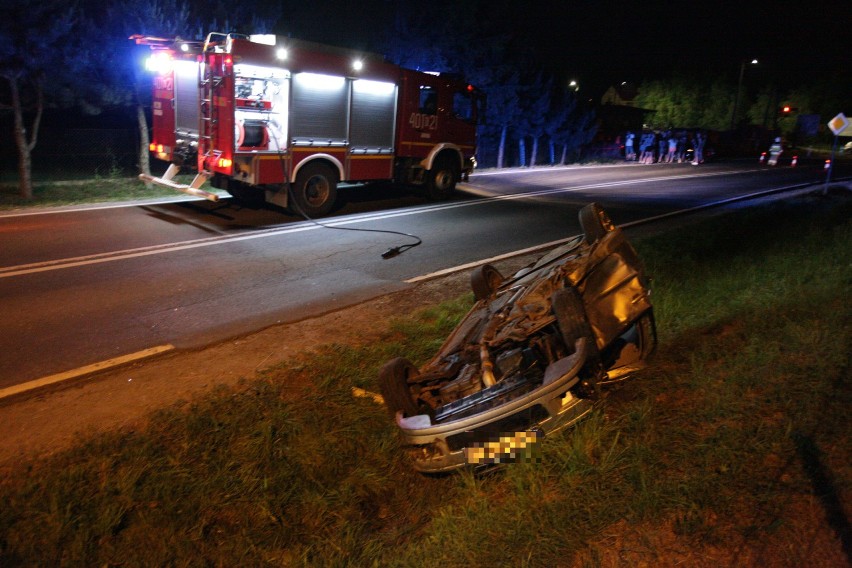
<point x="503" y="447"/>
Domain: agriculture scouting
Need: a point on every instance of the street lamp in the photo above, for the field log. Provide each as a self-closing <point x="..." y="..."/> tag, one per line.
<point x="573" y="85"/>
<point x="739" y="88"/>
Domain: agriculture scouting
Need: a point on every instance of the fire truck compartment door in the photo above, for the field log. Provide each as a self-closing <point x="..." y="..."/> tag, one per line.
<point x="186" y="96"/>
<point x="319" y="112"/>
<point x="373" y="117"/>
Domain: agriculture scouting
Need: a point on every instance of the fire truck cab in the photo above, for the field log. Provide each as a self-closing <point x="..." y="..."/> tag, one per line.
<point x="285" y="120"/>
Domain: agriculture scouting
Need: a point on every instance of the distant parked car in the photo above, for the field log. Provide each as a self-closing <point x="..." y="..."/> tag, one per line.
<point x="530" y="356"/>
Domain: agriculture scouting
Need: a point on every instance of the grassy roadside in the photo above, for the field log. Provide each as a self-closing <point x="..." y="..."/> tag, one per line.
<point x="732" y="449"/>
<point x="100" y="189"/>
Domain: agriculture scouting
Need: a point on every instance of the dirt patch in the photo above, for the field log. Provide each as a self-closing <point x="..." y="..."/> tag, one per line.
<point x="806" y="542"/>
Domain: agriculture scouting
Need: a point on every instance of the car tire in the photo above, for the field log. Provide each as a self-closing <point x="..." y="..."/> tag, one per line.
<point x="595" y="222"/>
<point x="571" y="317"/>
<point x="394" y="386"/>
<point x="484" y="280"/>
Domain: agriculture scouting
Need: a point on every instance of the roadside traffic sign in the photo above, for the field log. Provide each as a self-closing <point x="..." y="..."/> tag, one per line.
<point x="838" y="124"/>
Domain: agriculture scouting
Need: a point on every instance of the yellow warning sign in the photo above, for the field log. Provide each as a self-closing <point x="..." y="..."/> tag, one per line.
<point x="838" y="124"/>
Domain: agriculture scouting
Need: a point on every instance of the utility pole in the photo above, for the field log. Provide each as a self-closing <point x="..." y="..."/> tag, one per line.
<point x="739" y="89"/>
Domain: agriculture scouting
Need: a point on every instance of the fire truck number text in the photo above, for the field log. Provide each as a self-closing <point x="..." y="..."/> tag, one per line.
<point x="423" y="121"/>
<point x="163" y="83"/>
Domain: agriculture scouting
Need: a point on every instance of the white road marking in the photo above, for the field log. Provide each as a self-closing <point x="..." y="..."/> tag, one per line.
<point x="103" y="365"/>
<point x="545" y="169"/>
<point x="59" y="264"/>
<point x="553" y="244"/>
<point x="99" y="206"/>
<point x="81" y="371"/>
<point x="476" y="263"/>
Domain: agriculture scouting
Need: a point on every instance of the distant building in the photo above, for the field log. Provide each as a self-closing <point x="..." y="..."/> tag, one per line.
<point x="621" y="95"/>
<point x="618" y="113"/>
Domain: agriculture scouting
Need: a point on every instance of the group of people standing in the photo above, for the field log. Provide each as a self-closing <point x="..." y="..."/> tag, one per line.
<point x="664" y="147"/>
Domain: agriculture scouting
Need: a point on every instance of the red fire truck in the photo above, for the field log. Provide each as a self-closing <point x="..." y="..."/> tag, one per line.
<point x="285" y="120"/>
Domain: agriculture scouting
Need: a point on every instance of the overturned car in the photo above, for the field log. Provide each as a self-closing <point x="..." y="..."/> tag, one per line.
<point x="531" y="355"/>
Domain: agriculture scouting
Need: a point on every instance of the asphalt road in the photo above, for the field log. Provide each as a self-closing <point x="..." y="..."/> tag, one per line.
<point x="84" y="285"/>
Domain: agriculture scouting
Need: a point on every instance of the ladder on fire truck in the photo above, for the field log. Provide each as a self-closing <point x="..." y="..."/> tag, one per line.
<point x="207" y="81"/>
<point x="207" y="120"/>
<point x="209" y="77"/>
<point x="208" y="117"/>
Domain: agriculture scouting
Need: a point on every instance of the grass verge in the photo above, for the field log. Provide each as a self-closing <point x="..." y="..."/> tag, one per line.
<point x="99" y="189"/>
<point x="732" y="449"/>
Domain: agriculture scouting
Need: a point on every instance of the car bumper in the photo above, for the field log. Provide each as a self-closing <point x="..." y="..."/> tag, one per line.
<point x="501" y="434"/>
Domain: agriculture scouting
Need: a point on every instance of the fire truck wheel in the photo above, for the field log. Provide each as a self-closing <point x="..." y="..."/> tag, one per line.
<point x="442" y="179"/>
<point x="315" y="190"/>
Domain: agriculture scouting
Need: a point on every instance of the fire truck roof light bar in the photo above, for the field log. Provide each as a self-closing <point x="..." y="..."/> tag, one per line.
<point x="159" y="62"/>
<point x="159" y="43"/>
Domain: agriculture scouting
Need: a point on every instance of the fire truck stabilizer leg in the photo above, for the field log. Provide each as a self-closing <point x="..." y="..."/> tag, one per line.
<point x="171" y="172"/>
<point x="198" y="181"/>
<point x="192" y="189"/>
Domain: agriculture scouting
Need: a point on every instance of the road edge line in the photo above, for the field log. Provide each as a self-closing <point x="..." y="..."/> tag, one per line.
<point x="628" y="225"/>
<point x="475" y="263"/>
<point x="82" y="371"/>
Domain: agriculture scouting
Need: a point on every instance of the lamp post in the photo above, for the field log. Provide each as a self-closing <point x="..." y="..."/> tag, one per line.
<point x="739" y="88"/>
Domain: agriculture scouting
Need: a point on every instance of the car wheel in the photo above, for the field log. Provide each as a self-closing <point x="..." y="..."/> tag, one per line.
<point x="484" y="280"/>
<point x="595" y="222"/>
<point x="315" y="190"/>
<point x="571" y="317"/>
<point x="394" y="386"/>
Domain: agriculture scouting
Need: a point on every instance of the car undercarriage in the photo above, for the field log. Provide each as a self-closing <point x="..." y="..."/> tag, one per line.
<point x="532" y="354"/>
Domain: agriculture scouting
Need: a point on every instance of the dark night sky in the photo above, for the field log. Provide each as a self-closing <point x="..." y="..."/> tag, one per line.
<point x="604" y="42"/>
<point x="638" y="40"/>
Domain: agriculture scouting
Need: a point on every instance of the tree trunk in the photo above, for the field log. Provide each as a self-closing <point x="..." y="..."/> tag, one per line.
<point x="501" y="150"/>
<point x="564" y="154"/>
<point x="552" y="151"/>
<point x="144" y="140"/>
<point x="534" y="151"/>
<point x="522" y="151"/>
<point x="25" y="146"/>
<point x="144" y="154"/>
